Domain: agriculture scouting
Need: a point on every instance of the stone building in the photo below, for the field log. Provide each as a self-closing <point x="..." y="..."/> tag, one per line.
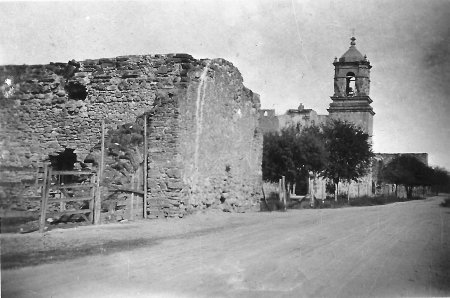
<point x="204" y="143"/>
<point x="350" y="102"/>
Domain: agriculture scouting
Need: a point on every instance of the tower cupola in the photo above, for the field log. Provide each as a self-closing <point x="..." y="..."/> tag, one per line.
<point x="352" y="73"/>
<point x="352" y="54"/>
<point x="351" y="100"/>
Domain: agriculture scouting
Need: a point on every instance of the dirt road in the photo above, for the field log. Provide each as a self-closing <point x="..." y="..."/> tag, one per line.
<point x="402" y="249"/>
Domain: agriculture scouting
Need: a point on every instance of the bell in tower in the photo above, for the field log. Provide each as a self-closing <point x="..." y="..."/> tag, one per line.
<point x="351" y="101"/>
<point x="352" y="73"/>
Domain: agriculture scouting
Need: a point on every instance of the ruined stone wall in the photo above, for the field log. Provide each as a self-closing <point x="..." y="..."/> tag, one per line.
<point x="42" y="118"/>
<point x="204" y="145"/>
<point x="215" y="144"/>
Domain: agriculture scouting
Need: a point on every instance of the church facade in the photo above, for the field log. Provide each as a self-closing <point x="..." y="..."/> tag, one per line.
<point x="351" y="102"/>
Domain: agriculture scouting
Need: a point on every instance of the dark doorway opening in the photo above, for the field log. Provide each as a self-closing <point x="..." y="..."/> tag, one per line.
<point x="64" y="161"/>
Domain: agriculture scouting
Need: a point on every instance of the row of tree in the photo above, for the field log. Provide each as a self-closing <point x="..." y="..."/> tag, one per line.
<point x="340" y="152"/>
<point x="410" y="172"/>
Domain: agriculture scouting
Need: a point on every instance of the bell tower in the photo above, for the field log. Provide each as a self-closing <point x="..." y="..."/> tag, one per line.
<point x="351" y="100"/>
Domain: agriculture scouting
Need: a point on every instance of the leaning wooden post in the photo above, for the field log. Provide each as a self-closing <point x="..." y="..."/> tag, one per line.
<point x="145" y="165"/>
<point x="98" y="197"/>
<point x="43" y="201"/>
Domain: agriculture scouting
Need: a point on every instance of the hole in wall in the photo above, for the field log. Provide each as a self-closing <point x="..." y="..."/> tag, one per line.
<point x="76" y="91"/>
<point x="64" y="161"/>
<point x="227" y="168"/>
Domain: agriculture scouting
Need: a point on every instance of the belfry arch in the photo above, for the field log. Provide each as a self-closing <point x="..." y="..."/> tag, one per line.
<point x="350" y="89"/>
<point x="351" y="100"/>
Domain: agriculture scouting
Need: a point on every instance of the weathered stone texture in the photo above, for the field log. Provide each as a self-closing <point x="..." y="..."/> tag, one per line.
<point x="204" y="145"/>
<point x="41" y="119"/>
<point x="211" y="155"/>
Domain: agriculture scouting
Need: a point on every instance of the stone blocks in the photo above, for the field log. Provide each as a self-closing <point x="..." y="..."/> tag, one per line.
<point x="202" y="131"/>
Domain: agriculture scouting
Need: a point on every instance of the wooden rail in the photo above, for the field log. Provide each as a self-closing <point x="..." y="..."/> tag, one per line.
<point x="62" y="173"/>
<point x="62" y="186"/>
<point x="48" y="186"/>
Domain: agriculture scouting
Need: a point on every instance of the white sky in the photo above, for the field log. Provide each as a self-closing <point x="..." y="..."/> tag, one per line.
<point x="284" y="50"/>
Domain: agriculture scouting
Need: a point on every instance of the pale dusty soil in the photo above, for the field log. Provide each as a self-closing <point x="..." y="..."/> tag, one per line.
<point x="402" y="249"/>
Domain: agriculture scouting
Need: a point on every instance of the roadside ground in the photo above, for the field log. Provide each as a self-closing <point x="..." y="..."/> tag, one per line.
<point x="400" y="249"/>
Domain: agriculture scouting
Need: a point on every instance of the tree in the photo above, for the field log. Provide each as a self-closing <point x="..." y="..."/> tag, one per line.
<point x="349" y="150"/>
<point x="440" y="180"/>
<point x="313" y="153"/>
<point x="294" y="152"/>
<point x="408" y="171"/>
<point x="338" y="151"/>
<point x="280" y="156"/>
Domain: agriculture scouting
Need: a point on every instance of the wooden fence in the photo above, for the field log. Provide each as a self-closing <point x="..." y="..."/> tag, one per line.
<point x="56" y="191"/>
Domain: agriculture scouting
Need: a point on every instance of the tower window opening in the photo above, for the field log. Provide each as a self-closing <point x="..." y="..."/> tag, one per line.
<point x="350" y="89"/>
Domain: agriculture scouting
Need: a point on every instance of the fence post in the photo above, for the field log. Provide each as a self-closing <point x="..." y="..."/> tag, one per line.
<point x="92" y="202"/>
<point x="133" y="187"/>
<point x="284" y="192"/>
<point x="280" y="190"/>
<point x="348" y="192"/>
<point x="44" y="200"/>
<point x="98" y="196"/>
<point x="145" y="166"/>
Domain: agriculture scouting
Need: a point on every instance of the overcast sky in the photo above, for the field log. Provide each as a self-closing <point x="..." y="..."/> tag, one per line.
<point x="284" y="50"/>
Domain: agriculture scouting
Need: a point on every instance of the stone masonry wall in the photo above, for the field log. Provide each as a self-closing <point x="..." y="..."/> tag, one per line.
<point x="41" y="118"/>
<point x="204" y="145"/>
<point x="215" y="145"/>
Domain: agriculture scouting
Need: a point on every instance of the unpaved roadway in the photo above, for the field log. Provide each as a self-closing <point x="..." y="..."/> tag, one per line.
<point x="401" y="249"/>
